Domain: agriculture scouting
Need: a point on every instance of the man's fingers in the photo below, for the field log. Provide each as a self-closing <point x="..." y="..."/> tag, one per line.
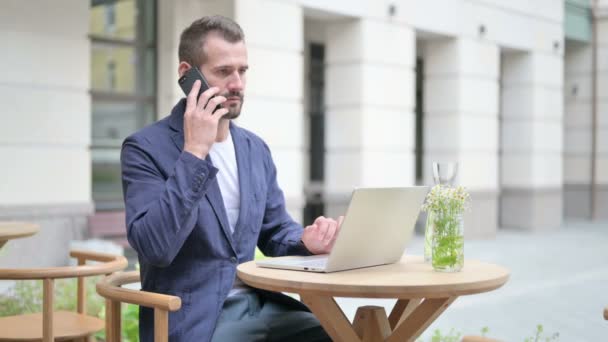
<point x="321" y="235"/>
<point x="191" y="98"/>
<point x="308" y="234"/>
<point x="331" y="233"/>
<point x="309" y="229"/>
<point x="214" y="103"/>
<point x="219" y="113"/>
<point x="205" y="97"/>
<point x="319" y="219"/>
<point x="322" y="230"/>
<point x="327" y="229"/>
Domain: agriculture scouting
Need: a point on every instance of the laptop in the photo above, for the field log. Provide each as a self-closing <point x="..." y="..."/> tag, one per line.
<point x="378" y="224"/>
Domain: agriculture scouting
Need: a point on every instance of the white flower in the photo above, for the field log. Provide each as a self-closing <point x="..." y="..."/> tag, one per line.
<point x="443" y="198"/>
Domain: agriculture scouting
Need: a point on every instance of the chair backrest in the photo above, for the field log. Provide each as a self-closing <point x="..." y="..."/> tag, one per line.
<point x="110" y="288"/>
<point x="107" y="264"/>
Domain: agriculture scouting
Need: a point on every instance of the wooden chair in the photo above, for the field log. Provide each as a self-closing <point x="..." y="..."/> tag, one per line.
<point x="110" y="288"/>
<point x="50" y="325"/>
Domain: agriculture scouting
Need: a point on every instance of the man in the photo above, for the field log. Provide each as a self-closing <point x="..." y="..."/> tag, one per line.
<point x="200" y="193"/>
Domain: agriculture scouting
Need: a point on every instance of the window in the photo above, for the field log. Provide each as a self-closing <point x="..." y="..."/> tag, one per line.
<point x="111" y="73"/>
<point x="123" y="87"/>
<point x="419" y="110"/>
<point x="110" y="18"/>
<point x="315" y="206"/>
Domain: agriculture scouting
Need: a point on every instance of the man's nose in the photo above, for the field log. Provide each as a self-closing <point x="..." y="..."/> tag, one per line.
<point x="236" y="82"/>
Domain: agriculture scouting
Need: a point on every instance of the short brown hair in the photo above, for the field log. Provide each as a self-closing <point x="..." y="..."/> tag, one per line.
<point x="192" y="39"/>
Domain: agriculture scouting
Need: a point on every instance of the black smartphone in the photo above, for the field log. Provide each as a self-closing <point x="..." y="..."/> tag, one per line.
<point x="187" y="81"/>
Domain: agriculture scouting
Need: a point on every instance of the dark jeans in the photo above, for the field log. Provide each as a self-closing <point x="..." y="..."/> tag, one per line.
<point x="247" y="317"/>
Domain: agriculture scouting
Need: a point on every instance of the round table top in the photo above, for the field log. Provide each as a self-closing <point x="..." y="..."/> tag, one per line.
<point x="14" y="230"/>
<point x="409" y="278"/>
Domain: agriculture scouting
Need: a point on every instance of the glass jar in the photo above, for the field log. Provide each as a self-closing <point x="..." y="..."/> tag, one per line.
<point x="428" y="238"/>
<point x="444" y="173"/>
<point x="447" y="241"/>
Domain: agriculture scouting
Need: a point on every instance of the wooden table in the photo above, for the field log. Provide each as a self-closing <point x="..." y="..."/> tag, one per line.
<point x="422" y="294"/>
<point x="15" y="230"/>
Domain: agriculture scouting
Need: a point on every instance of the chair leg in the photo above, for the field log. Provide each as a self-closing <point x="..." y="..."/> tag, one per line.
<point x="113" y="326"/>
<point x="47" y="310"/>
<point x="161" y="325"/>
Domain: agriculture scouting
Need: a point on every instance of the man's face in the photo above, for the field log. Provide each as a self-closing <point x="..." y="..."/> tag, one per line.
<point x="226" y="68"/>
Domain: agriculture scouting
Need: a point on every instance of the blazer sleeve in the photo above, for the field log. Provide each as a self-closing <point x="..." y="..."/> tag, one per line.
<point x="280" y="234"/>
<point x="161" y="211"/>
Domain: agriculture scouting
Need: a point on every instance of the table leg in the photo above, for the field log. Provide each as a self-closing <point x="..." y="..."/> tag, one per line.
<point x="401" y="310"/>
<point x="371" y="323"/>
<point x="411" y="318"/>
<point x="420" y="318"/>
<point x="2" y="242"/>
<point x="332" y="318"/>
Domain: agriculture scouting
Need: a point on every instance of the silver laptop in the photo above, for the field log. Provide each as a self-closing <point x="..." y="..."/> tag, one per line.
<point x="377" y="226"/>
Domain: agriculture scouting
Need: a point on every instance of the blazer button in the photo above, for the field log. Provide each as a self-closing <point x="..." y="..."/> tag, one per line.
<point x="233" y="260"/>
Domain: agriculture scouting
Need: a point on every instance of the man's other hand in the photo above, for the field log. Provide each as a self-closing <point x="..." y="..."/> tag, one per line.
<point x="319" y="237"/>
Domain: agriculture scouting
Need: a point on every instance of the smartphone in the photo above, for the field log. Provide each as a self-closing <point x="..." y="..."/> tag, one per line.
<point x="187" y="81"/>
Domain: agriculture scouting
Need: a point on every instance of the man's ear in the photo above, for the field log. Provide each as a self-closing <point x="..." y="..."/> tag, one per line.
<point x="182" y="68"/>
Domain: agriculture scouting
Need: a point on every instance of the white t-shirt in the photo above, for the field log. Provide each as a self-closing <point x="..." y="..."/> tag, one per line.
<point x="223" y="157"/>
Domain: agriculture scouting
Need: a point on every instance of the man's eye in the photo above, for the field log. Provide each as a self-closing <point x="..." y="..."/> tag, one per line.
<point x="242" y="71"/>
<point x="224" y="72"/>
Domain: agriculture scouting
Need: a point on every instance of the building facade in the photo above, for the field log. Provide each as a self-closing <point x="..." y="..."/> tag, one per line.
<point x="346" y="93"/>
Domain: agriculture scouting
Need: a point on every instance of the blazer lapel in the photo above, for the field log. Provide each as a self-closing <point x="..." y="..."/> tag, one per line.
<point x="178" y="139"/>
<point x="176" y="122"/>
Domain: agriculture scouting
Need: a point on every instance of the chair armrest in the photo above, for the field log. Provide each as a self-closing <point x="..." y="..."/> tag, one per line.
<point x="110" y="288"/>
<point x="109" y="264"/>
<point x="93" y="256"/>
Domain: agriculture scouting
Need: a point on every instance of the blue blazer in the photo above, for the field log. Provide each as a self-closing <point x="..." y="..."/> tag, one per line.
<point x="177" y="223"/>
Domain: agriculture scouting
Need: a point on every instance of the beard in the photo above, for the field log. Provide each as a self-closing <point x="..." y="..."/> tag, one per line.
<point x="234" y="109"/>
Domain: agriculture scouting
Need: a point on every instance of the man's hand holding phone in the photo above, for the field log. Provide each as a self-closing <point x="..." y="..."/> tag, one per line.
<point x="201" y="119"/>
